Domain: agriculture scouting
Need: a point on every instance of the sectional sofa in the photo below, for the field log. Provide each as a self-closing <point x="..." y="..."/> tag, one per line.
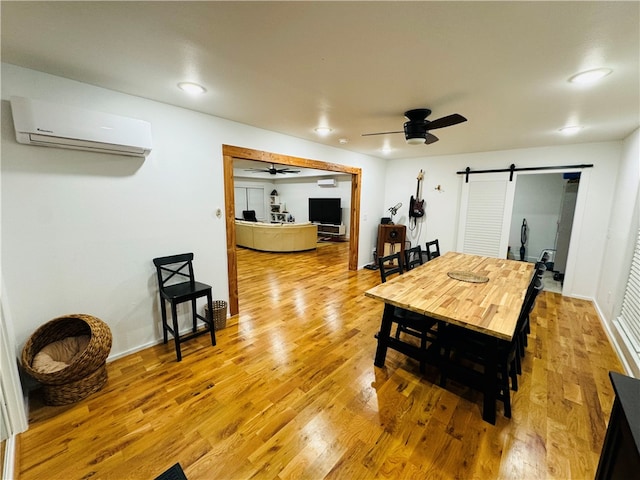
<point x="276" y="237"/>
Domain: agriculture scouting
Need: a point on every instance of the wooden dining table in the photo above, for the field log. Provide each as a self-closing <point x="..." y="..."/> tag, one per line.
<point x="478" y="293"/>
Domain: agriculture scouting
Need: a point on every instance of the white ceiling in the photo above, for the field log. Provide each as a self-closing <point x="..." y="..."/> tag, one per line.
<point x="354" y="66"/>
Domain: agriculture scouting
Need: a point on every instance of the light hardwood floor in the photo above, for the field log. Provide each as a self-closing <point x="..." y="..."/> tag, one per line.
<point x="290" y="392"/>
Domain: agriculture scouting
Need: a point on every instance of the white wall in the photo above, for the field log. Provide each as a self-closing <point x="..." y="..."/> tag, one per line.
<point x="597" y="188"/>
<point x="621" y="227"/>
<point x="295" y="192"/>
<point x="441" y="206"/>
<point x="79" y="229"/>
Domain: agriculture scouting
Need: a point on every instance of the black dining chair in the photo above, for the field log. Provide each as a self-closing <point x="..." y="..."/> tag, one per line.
<point x="525" y="328"/>
<point x="177" y="284"/>
<point x="390" y="265"/>
<point x="540" y="268"/>
<point x="408" y="322"/>
<point x="465" y="360"/>
<point x="249" y="215"/>
<point x="466" y="355"/>
<point x="413" y="257"/>
<point x="433" y="249"/>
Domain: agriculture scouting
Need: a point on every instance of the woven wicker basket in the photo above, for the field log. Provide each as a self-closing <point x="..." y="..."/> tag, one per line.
<point x="87" y="373"/>
<point x="75" y="391"/>
<point x="219" y="314"/>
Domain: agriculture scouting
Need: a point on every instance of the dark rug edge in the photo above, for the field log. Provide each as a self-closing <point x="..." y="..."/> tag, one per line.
<point x="175" y="472"/>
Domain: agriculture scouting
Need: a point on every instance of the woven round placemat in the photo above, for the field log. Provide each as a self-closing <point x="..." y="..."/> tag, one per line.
<point x="468" y="277"/>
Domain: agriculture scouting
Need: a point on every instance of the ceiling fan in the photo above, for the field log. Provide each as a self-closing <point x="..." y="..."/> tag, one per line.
<point x="272" y="170"/>
<point x="416" y="130"/>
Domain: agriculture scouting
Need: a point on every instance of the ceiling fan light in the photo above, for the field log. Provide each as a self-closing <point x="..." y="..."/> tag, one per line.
<point x="415" y="131"/>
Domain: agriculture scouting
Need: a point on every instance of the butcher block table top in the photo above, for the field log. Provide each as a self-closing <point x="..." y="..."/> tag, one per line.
<point x="490" y="307"/>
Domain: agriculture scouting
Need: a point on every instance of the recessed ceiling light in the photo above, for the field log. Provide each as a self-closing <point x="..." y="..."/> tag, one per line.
<point x="192" y="88"/>
<point x="323" y="131"/>
<point x="570" y="130"/>
<point x="386" y="149"/>
<point x="590" y="76"/>
<point x="343" y="141"/>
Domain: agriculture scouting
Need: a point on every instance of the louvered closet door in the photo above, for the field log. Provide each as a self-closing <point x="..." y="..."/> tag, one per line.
<point x="485" y="214"/>
<point x="629" y="319"/>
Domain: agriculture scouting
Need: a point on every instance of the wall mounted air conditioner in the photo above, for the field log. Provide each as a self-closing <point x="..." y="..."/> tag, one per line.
<point x="52" y="125"/>
<point x="327" y="182"/>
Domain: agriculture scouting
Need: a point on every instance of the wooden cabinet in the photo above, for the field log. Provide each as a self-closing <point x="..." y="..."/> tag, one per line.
<point x="391" y="239"/>
<point x="620" y="457"/>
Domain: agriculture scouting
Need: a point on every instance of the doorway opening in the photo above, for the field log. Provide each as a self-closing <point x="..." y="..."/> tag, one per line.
<point x="542" y="220"/>
<point x="487" y="224"/>
<point x="229" y="153"/>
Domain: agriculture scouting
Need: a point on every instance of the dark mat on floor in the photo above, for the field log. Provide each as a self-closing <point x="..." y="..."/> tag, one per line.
<point x="173" y="473"/>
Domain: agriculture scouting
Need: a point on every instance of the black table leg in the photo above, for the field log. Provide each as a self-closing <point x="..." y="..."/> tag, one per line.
<point x="490" y="383"/>
<point x="383" y="335"/>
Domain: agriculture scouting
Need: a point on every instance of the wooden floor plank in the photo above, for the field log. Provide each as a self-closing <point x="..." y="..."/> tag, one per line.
<point x="290" y="392"/>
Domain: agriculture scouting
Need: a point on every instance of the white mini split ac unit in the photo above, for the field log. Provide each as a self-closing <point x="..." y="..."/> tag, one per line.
<point x="51" y="125"/>
<point x="327" y="182"/>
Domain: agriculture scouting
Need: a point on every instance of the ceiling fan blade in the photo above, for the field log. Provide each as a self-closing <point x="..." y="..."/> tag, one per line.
<point x="429" y="138"/>
<point x="255" y="170"/>
<point x="447" y="121"/>
<point x="379" y="133"/>
<point x="286" y="170"/>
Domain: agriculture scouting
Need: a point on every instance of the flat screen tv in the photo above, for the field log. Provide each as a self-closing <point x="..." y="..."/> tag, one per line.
<point x="325" y="211"/>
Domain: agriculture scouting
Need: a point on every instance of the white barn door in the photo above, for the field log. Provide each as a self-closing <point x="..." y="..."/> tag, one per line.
<point x="485" y="214"/>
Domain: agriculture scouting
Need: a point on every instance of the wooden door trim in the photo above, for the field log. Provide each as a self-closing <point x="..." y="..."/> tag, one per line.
<point x="229" y="153"/>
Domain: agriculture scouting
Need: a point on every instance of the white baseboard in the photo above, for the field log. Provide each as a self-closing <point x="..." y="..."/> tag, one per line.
<point x="124" y="353"/>
<point x="8" y="468"/>
<point x="185" y="331"/>
<point x="631" y="368"/>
